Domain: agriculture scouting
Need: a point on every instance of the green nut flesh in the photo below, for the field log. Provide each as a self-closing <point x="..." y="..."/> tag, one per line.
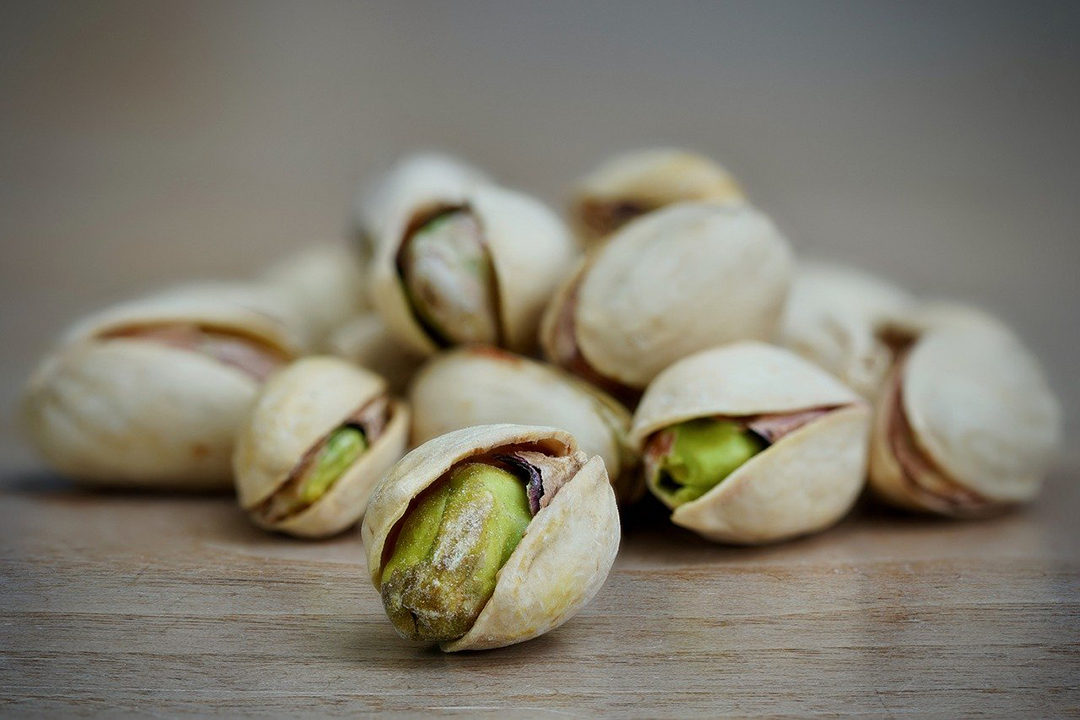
<point x="702" y="453"/>
<point x="337" y="454"/>
<point x="449" y="551"/>
<point x="450" y="280"/>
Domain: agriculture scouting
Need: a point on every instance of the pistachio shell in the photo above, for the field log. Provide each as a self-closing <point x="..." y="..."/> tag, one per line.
<point x="326" y="285"/>
<point x="672" y="283"/>
<point x="802" y="483"/>
<point x="132" y="412"/>
<point x="979" y="410"/>
<point x="416" y="180"/>
<point x="831" y="318"/>
<point x="483" y="386"/>
<point x="558" y="566"/>
<point x="365" y="341"/>
<point x="906" y="325"/>
<point x="297" y="408"/>
<point x="530" y="250"/>
<point x="643" y="181"/>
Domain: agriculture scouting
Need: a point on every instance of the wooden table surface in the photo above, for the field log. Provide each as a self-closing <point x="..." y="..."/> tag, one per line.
<point x="169" y="604"/>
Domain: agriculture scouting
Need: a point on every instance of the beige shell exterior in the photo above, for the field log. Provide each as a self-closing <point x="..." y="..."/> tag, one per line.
<point x="482" y="386"/>
<point x="365" y="341"/>
<point x="558" y="566"/>
<point x="530" y="248"/>
<point x="803" y="483"/>
<point x="980" y="409"/>
<point x="298" y="407"/>
<point x="415" y="180"/>
<point x="326" y="285"/>
<point x="652" y="178"/>
<point x="933" y="315"/>
<point x="132" y="413"/>
<point x="677" y="281"/>
<point x="832" y="316"/>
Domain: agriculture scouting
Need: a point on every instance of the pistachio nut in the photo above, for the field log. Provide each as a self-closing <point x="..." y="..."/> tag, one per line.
<point x="966" y="424"/>
<point x="365" y="341"/>
<point x="415" y="180"/>
<point x="326" y="285"/>
<point x="682" y="279"/>
<point x="320" y="435"/>
<point x="490" y="535"/>
<point x="150" y="393"/>
<point x="482" y="386"/>
<point x="637" y="183"/>
<point x="749" y="443"/>
<point x="832" y="318"/>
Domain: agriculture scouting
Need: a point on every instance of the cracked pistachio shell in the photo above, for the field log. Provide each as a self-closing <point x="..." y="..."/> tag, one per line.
<point x="299" y="407"/>
<point x="134" y="413"/>
<point x="365" y="341"/>
<point x="677" y="281"/>
<point x="805" y="481"/>
<point x="906" y="325"/>
<point x="416" y="180"/>
<point x="640" y="182"/>
<point x="326" y="285"/>
<point x="831" y="319"/>
<point x="979" y="410"/>
<point x="560" y="563"/>
<point x="483" y="386"/>
<point x="530" y="249"/>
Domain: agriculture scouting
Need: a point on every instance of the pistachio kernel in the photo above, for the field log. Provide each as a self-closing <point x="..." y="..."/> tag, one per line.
<point x="451" y="546"/>
<point x="691" y="458"/>
<point x="336" y="456"/>
<point x="450" y="280"/>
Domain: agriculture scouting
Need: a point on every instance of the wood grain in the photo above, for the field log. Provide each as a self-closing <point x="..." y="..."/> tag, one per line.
<point x="171" y="604"/>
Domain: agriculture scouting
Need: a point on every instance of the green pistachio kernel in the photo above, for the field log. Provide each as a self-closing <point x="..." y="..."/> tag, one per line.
<point x="450" y="548"/>
<point x="337" y="454"/>
<point x="449" y="280"/>
<point x="702" y="453"/>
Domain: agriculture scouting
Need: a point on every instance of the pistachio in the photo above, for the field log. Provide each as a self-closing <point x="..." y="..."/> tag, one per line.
<point x="700" y="454"/>
<point x="490" y="535"/>
<point x="319" y="437"/>
<point x="450" y="549"/>
<point x="748" y="443"/>
<point x="449" y="279"/>
<point x="365" y="341"/>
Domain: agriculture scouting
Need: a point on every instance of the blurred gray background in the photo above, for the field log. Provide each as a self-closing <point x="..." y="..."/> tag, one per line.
<point x="148" y="142"/>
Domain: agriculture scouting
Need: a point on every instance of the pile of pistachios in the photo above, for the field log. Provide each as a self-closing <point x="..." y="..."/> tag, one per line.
<point x="661" y="341"/>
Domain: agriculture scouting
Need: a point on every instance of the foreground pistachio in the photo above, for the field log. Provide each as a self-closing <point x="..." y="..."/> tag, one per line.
<point x="326" y="285"/>
<point x="833" y="318"/>
<point x="749" y="443"/>
<point x="450" y="550"/>
<point x="482" y="385"/>
<point x="636" y="183"/>
<point x="150" y="393"/>
<point x="966" y="426"/>
<point x="490" y="535"/>
<point x="682" y="279"/>
<point x="365" y="341"/>
<point x="475" y="265"/>
<point x="317" y="440"/>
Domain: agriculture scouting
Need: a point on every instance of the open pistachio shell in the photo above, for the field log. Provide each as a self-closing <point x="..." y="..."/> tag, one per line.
<point x="967" y="426"/>
<point x="906" y="325"/>
<point x="296" y="411"/>
<point x="326" y="285"/>
<point x="637" y="183"/>
<point x="530" y="252"/>
<point x="804" y="481"/>
<point x="121" y="403"/>
<point x="416" y="180"/>
<point x="674" y="282"/>
<point x="482" y="386"/>
<point x="365" y="341"/>
<point x="556" y="568"/>
<point x="832" y="317"/>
